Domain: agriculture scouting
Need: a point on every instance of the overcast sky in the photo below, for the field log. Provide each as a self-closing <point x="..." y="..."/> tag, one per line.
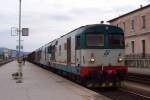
<point x="50" y="19"/>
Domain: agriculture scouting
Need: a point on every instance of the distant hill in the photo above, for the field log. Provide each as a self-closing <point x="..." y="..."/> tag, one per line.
<point x="1" y="50"/>
<point x="13" y="52"/>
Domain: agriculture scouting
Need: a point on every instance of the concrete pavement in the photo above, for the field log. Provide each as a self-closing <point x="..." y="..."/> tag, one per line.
<point x="40" y="84"/>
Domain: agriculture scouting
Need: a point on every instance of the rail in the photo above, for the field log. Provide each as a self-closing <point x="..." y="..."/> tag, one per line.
<point x="140" y="78"/>
<point x="6" y="61"/>
<point x="121" y="94"/>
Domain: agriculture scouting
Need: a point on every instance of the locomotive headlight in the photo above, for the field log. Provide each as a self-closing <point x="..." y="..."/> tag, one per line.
<point x="120" y="59"/>
<point x="92" y="60"/>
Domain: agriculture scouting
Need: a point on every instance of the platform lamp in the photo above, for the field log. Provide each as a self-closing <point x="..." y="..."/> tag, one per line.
<point x="19" y="47"/>
<point x="25" y="32"/>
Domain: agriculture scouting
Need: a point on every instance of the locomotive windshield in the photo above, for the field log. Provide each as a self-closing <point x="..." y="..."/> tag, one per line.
<point x="116" y="40"/>
<point x="95" y="40"/>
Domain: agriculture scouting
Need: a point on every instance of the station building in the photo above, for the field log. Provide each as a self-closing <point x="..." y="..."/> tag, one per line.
<point x="136" y="26"/>
<point x="5" y="54"/>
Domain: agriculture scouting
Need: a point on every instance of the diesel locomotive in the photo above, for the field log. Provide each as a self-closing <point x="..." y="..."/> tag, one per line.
<point x="92" y="55"/>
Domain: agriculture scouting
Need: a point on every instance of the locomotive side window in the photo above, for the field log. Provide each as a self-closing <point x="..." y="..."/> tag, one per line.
<point x="96" y="40"/>
<point x="116" y="41"/>
<point x="39" y="55"/>
<point x="45" y="53"/>
<point x="77" y="42"/>
<point x="59" y="50"/>
<point x="50" y="49"/>
<point x="53" y="52"/>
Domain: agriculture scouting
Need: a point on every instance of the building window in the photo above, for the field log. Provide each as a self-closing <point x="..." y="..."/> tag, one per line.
<point x="132" y="24"/>
<point x="124" y="26"/>
<point x="143" y="21"/>
<point x="143" y="48"/>
<point x="132" y="46"/>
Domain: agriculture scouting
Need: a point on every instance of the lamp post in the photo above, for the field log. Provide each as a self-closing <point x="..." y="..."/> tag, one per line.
<point x="19" y="49"/>
<point x="19" y="26"/>
<point x="20" y="32"/>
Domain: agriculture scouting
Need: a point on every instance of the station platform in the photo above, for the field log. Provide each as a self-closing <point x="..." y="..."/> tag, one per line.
<point x="40" y="84"/>
<point x="145" y="71"/>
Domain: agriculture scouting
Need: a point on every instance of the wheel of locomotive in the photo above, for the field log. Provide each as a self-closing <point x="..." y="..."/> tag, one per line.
<point x="89" y="84"/>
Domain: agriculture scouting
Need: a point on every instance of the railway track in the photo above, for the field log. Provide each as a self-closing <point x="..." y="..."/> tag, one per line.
<point x="5" y="62"/>
<point x="140" y="78"/>
<point x="121" y="94"/>
<point x="117" y="94"/>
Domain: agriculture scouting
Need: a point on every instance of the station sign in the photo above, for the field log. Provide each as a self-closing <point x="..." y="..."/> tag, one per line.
<point x="25" y="31"/>
<point x="14" y="31"/>
<point x="17" y="47"/>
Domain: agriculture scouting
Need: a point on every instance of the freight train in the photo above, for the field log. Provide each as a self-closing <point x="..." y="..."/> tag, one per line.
<point x="92" y="55"/>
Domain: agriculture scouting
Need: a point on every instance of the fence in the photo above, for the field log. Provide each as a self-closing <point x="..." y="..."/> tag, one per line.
<point x="138" y="60"/>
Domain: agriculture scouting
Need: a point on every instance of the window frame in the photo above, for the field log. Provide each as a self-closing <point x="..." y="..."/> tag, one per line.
<point x="132" y="24"/>
<point x="124" y="26"/>
<point x="116" y="47"/>
<point x="78" y="42"/>
<point x="60" y="50"/>
<point x="133" y="47"/>
<point x="143" y="22"/>
<point x="49" y="49"/>
<point x="94" y="47"/>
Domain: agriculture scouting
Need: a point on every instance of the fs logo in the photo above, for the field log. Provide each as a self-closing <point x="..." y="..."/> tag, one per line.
<point x="107" y="52"/>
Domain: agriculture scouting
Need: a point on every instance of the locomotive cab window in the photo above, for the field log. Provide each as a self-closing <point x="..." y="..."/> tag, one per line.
<point x="116" y="40"/>
<point x="95" y="39"/>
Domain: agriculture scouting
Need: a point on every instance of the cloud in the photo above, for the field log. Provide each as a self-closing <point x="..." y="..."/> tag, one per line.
<point x="59" y="17"/>
<point x="46" y="17"/>
<point x="148" y="1"/>
<point x="49" y="19"/>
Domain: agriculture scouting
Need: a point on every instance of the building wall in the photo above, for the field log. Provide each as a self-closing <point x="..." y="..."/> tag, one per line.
<point x="7" y="53"/>
<point x="138" y="33"/>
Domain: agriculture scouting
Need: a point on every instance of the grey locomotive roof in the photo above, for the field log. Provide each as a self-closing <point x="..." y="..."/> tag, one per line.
<point x="82" y="27"/>
<point x="87" y="26"/>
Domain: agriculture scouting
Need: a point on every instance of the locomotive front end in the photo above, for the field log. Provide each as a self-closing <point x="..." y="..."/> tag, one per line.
<point x="102" y="56"/>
